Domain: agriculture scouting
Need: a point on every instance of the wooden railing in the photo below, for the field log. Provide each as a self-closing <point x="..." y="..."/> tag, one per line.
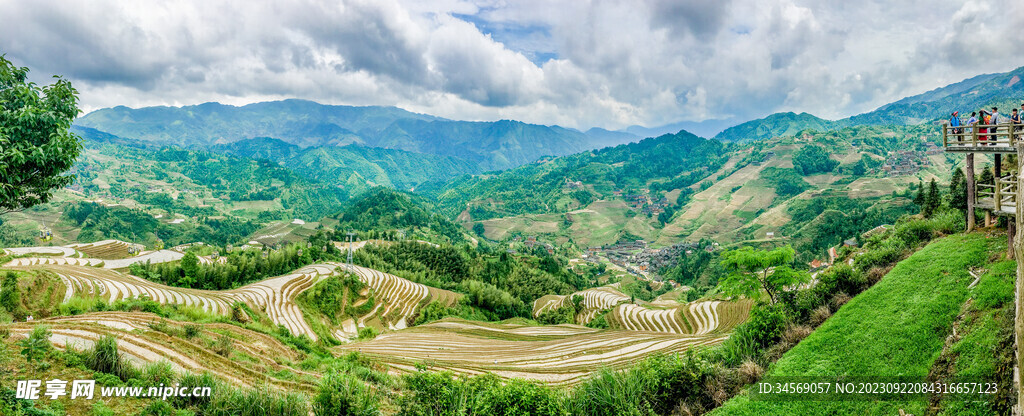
<point x="981" y="135"/>
<point x="1003" y="193"/>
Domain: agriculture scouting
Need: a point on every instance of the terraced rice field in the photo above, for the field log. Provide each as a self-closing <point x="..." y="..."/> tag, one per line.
<point x="160" y="256"/>
<point x="106" y="249"/>
<point x="397" y="298"/>
<point x="595" y="300"/>
<point x="698" y="318"/>
<point x="255" y="356"/>
<point x="561" y="354"/>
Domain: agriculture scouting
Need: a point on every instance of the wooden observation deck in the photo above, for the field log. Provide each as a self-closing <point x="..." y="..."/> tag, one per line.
<point x="1003" y="197"/>
<point x="1000" y="197"/>
<point x="996" y="138"/>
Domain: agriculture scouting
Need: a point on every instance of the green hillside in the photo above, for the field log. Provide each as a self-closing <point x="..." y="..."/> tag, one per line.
<point x="899" y="327"/>
<point x="660" y="164"/>
<point x="354" y="166"/>
<point x="775" y="125"/>
<point x="705" y="189"/>
<point x="193" y="183"/>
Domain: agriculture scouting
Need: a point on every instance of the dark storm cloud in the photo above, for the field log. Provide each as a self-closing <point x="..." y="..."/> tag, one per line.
<point x="698" y="18"/>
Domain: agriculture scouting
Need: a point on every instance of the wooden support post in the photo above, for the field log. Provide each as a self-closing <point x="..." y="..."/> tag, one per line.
<point x="970" y="190"/>
<point x="974" y="135"/>
<point x="988" y="218"/>
<point x="1018" y="249"/>
<point x="997" y="196"/>
<point x="1011" y="233"/>
<point x="999" y="165"/>
<point x="945" y="142"/>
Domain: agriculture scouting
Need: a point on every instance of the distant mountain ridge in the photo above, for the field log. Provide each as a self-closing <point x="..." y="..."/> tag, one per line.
<point x="353" y="166"/>
<point x="492" y="145"/>
<point x="1004" y="90"/>
<point x="775" y="125"/>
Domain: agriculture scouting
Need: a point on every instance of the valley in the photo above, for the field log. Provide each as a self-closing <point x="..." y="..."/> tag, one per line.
<point x="295" y="254"/>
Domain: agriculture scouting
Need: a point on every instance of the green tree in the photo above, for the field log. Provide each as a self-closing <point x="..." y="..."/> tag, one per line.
<point x="958" y="190"/>
<point x="36" y="145"/>
<point x="37" y="344"/>
<point x="919" y="199"/>
<point x="932" y="200"/>
<point x="478" y="229"/>
<point x="753" y="271"/>
<point x="10" y="296"/>
<point x="813" y="159"/>
<point x="190" y="267"/>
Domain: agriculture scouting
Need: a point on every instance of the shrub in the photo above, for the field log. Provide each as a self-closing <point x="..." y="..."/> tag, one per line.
<point x="520" y="398"/>
<point x="258" y="401"/>
<point x="367" y="332"/>
<point x="820" y="314"/>
<point x="224" y="345"/>
<point x="191" y="331"/>
<point x="37" y="344"/>
<point x="608" y="393"/>
<point x="159" y="372"/>
<point x="435" y="393"/>
<point x="105" y="358"/>
<point x="339" y="394"/>
<point x="766" y="324"/>
<point x="795" y="333"/>
<point x="191" y="381"/>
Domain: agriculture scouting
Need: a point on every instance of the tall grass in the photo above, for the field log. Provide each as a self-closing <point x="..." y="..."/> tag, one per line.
<point x="104" y="357"/>
<point x="340" y="394"/>
<point x="258" y="401"/>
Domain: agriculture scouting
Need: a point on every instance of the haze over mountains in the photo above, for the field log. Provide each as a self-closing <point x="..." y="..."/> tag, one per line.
<point x="489" y="145"/>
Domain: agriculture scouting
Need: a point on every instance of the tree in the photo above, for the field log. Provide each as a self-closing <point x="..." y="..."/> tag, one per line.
<point x="931" y="201"/>
<point x="36" y="144"/>
<point x="752" y="271"/>
<point x="478" y="229"/>
<point x="813" y="159"/>
<point x="919" y="199"/>
<point x="958" y="190"/>
<point x="189" y="267"/>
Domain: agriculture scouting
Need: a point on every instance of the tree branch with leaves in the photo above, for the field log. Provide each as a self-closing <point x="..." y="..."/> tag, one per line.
<point x="754" y="273"/>
<point x="36" y="143"/>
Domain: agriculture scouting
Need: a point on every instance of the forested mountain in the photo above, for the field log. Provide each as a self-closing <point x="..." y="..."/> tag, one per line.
<point x="354" y="166"/>
<point x="659" y="164"/>
<point x="1005" y="90"/>
<point x="382" y="209"/>
<point x="200" y="183"/>
<point x="493" y="145"/>
<point x="775" y="125"/>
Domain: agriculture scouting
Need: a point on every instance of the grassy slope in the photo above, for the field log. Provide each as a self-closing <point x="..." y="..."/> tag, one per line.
<point x="896" y="328"/>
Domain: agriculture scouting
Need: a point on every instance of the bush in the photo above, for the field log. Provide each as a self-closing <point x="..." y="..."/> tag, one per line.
<point x="520" y="398"/>
<point x="224" y="345"/>
<point x="191" y="331"/>
<point x="259" y="401"/>
<point x="367" y="332"/>
<point x="608" y="393"/>
<point x="339" y="394"/>
<point x="105" y="358"/>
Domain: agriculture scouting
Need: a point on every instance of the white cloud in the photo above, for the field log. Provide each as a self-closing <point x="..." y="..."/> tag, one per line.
<point x="606" y="63"/>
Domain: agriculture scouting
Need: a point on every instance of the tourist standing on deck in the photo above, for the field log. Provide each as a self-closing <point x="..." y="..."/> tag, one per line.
<point x="996" y="119"/>
<point x="983" y="120"/>
<point x="1015" y="120"/>
<point x="954" y="122"/>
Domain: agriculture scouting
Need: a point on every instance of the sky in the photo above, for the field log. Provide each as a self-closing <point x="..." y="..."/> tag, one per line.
<point x="578" y="63"/>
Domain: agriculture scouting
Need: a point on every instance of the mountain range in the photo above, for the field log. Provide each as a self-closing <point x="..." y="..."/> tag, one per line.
<point x="494" y="145"/>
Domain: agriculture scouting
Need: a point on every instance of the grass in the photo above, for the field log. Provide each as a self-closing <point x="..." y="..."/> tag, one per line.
<point x="896" y="328"/>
